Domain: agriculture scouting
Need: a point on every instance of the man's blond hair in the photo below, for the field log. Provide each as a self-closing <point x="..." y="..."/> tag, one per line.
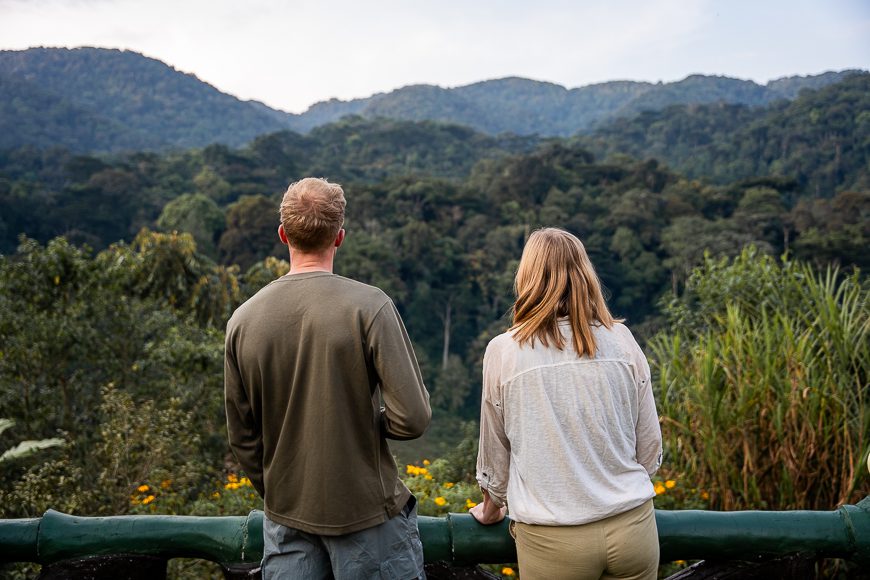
<point x="312" y="213"/>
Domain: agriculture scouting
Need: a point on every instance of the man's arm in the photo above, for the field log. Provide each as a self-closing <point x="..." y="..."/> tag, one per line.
<point x="245" y="436"/>
<point x="406" y="412"/>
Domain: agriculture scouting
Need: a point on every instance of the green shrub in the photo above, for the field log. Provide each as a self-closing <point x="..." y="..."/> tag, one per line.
<point x="763" y="384"/>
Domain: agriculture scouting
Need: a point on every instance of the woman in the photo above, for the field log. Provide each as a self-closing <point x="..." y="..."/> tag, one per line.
<point x="569" y="433"/>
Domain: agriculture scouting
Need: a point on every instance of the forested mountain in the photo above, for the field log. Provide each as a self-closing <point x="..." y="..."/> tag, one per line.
<point x="821" y="139"/>
<point x="93" y="99"/>
<point x="98" y="100"/>
<point x="529" y="107"/>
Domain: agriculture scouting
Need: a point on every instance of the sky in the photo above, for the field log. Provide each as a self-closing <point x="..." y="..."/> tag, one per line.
<point x="291" y="54"/>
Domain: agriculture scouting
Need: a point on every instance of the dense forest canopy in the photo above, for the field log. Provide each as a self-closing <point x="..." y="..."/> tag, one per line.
<point x="820" y="139"/>
<point x="437" y="213"/>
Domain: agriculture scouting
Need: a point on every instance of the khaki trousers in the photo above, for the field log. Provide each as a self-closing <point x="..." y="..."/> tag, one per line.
<point x="622" y="546"/>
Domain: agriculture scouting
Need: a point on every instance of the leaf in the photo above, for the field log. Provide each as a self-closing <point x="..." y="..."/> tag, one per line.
<point x="6" y="424"/>
<point x="26" y="448"/>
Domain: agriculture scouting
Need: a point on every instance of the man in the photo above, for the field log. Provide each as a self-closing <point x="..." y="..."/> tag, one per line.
<point x="308" y="360"/>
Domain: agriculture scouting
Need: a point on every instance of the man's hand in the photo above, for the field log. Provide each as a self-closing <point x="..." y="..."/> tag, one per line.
<point x="487" y="513"/>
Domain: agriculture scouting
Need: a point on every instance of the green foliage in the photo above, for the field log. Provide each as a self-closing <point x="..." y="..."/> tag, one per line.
<point x="197" y="215"/>
<point x="819" y="139"/>
<point x="835" y="230"/>
<point x="762" y="383"/>
<point x="52" y="484"/>
<point x="436" y="497"/>
<point x="73" y="323"/>
<point x="679" y="494"/>
<point x="252" y="231"/>
<point x="140" y="440"/>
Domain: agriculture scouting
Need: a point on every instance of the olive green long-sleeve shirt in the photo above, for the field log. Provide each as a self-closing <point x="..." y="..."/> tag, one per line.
<point x="308" y="360"/>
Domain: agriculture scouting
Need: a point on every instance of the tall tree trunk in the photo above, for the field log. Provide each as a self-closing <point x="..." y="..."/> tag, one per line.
<point x="446" y="348"/>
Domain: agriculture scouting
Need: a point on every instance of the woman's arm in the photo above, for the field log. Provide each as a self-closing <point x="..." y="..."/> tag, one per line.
<point x="493" y="458"/>
<point x="648" y="433"/>
<point x="487" y="513"/>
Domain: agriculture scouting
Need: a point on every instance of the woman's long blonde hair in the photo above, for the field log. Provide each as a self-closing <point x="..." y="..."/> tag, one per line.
<point x="556" y="279"/>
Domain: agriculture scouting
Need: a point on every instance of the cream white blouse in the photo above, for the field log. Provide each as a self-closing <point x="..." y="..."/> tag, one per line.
<point x="568" y="440"/>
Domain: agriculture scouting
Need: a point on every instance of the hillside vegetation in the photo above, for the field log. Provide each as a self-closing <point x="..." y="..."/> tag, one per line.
<point x="821" y="139"/>
<point x="136" y="102"/>
<point x="438" y="213"/>
<point x="98" y="100"/>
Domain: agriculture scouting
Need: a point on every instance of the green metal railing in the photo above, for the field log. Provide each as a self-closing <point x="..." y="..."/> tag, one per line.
<point x="456" y="539"/>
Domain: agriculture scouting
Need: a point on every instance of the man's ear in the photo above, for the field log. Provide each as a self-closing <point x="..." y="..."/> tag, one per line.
<point x="339" y="238"/>
<point x="283" y="235"/>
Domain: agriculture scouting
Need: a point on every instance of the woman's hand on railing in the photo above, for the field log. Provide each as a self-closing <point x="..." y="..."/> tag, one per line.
<point x="486" y="512"/>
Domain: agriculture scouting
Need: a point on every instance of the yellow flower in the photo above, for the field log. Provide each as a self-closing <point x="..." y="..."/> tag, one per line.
<point x="148" y="500"/>
<point x="448" y="485"/>
<point x="426" y="462"/>
<point x="507" y="571"/>
<point x="428" y="476"/>
<point x="670" y="484"/>
<point x="440" y="501"/>
<point x="705" y="495"/>
<point x="216" y="495"/>
<point x="233" y="485"/>
<point x="143" y="488"/>
<point x="56" y="280"/>
<point x="232" y="478"/>
<point x="134" y="499"/>
<point x="659" y="488"/>
<point x="680" y="562"/>
<point x="165" y="483"/>
<point x="414" y="470"/>
<point x="470" y="504"/>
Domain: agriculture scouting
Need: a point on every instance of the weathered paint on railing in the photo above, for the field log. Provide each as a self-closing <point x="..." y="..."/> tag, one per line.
<point x="456" y="539"/>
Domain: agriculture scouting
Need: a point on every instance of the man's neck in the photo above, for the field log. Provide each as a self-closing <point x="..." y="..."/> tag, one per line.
<point x="301" y="263"/>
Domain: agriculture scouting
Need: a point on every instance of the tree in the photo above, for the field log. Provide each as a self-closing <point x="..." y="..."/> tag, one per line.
<point x="833" y="230"/>
<point x="209" y="183"/>
<point x="760" y="214"/>
<point x="197" y="215"/>
<point x="251" y="232"/>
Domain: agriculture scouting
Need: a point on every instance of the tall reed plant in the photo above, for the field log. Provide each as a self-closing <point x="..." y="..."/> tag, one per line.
<point x="762" y="383"/>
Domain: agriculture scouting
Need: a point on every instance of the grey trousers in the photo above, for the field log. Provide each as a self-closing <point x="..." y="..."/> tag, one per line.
<point x="389" y="551"/>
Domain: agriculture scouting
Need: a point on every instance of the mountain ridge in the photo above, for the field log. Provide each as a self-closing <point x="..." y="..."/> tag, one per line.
<point x="110" y="100"/>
